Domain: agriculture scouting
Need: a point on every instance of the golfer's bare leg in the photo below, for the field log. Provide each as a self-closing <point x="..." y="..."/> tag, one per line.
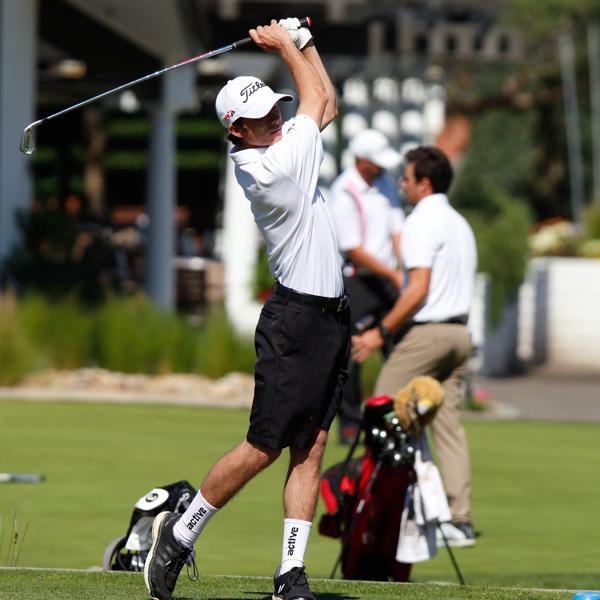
<point x="231" y="472"/>
<point x="302" y="483"/>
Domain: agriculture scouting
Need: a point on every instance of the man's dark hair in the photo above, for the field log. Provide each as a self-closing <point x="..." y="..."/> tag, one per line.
<point x="432" y="163"/>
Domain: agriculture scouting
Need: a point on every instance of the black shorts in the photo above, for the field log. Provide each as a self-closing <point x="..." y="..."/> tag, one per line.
<point x="302" y="350"/>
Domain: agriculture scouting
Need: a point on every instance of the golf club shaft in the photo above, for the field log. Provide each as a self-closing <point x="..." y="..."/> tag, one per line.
<point x="305" y="22"/>
<point x="461" y="579"/>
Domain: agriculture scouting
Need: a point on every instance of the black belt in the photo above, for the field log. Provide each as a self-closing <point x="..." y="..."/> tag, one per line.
<point x="458" y="320"/>
<point x="331" y="304"/>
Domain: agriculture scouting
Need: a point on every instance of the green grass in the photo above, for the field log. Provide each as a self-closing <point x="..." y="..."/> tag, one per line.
<point x="535" y="494"/>
<point x="41" y="585"/>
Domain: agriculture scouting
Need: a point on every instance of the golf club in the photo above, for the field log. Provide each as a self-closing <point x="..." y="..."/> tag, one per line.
<point x="27" y="145"/>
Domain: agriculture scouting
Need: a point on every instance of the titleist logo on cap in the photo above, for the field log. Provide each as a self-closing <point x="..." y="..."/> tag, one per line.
<point x="250" y="89"/>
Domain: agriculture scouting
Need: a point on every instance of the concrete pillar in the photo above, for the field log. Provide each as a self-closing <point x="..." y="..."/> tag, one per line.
<point x="160" y="202"/>
<point x="177" y="93"/>
<point x="18" y="28"/>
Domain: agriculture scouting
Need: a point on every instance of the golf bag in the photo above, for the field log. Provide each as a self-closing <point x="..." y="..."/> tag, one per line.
<point x="365" y="496"/>
<point x="128" y="552"/>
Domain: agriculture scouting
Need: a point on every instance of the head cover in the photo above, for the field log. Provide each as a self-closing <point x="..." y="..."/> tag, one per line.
<point x="417" y="403"/>
<point x="245" y="97"/>
<point x="372" y="145"/>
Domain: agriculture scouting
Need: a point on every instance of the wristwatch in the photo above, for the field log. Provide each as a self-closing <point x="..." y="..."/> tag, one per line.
<point x="386" y="334"/>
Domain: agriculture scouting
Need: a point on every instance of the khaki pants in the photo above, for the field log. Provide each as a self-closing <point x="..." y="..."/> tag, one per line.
<point x="440" y="350"/>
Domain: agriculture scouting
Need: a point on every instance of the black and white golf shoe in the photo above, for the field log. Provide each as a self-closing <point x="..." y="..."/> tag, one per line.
<point x="292" y="585"/>
<point x="166" y="558"/>
<point x="458" y="535"/>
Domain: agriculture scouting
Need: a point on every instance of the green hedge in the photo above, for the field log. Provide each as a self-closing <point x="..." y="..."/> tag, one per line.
<point x="128" y="335"/>
<point x="502" y="247"/>
<point x="492" y="190"/>
<point x="591" y="221"/>
<point x="18" y="353"/>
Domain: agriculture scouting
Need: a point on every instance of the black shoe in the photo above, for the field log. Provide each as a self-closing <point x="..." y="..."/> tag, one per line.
<point x="292" y="585"/>
<point x="166" y="557"/>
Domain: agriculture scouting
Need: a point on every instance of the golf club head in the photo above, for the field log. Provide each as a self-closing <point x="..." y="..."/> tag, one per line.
<point x="27" y="145"/>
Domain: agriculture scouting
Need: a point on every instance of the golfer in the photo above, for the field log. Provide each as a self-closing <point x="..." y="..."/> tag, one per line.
<point x="302" y="337"/>
<point x="430" y="317"/>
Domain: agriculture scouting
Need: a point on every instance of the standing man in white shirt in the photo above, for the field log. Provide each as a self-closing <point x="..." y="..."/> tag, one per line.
<point x="439" y="253"/>
<point x="303" y="335"/>
<point x="368" y="219"/>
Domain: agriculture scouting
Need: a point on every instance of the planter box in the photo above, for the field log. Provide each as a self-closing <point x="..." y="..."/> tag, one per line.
<point x="555" y="321"/>
<point x="559" y="314"/>
<point x="494" y="348"/>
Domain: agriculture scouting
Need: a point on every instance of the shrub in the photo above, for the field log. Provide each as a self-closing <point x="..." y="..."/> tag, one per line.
<point x="490" y="190"/>
<point x="554" y="237"/>
<point x="133" y="336"/>
<point x="590" y="249"/>
<point x="592" y="221"/>
<point x="501" y="237"/>
<point x="128" y="335"/>
<point x="61" y="330"/>
<point x="219" y="349"/>
<point x="18" y="354"/>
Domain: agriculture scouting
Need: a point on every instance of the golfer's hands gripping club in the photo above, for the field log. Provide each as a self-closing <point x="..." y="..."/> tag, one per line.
<point x="301" y="36"/>
<point x="271" y="38"/>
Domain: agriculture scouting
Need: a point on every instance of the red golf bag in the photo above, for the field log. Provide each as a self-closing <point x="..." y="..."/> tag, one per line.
<point x="365" y="496"/>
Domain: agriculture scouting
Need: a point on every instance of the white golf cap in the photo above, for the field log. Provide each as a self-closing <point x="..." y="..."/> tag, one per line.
<point x="372" y="145"/>
<point x="245" y="96"/>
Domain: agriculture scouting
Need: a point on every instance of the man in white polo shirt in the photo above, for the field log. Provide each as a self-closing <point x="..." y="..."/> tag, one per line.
<point x="368" y="220"/>
<point x="439" y="253"/>
<point x="303" y="335"/>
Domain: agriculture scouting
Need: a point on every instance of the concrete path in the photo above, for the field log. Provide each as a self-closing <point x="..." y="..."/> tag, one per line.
<point x="540" y="394"/>
<point x="545" y="395"/>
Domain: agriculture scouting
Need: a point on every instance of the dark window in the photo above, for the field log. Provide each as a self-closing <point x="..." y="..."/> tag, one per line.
<point x="422" y="44"/>
<point x="478" y="43"/>
<point x="504" y="44"/>
<point x="451" y="44"/>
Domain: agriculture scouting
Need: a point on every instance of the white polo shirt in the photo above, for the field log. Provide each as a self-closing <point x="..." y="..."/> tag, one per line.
<point x="281" y="183"/>
<point x="436" y="236"/>
<point x="366" y="215"/>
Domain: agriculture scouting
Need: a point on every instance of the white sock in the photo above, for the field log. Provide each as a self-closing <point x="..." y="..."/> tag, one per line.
<point x="295" y="538"/>
<point x="188" y="529"/>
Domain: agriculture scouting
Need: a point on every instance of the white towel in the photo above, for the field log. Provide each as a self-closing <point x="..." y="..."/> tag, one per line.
<point x="425" y="506"/>
<point x="432" y="493"/>
<point x="416" y="542"/>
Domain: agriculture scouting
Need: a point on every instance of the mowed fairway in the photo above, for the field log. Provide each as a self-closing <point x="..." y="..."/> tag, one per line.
<point x="45" y="585"/>
<point x="536" y="495"/>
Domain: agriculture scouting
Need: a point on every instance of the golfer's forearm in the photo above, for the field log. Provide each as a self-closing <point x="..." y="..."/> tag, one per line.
<point x="312" y="98"/>
<point x="412" y="298"/>
<point x="312" y="55"/>
<point x="360" y="258"/>
<point x="406" y="306"/>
